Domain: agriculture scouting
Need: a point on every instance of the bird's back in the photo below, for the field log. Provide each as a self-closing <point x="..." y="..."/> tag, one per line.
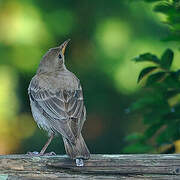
<point x="55" y="81"/>
<point x="58" y="98"/>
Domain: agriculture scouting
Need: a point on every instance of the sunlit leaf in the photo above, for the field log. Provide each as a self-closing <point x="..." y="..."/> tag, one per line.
<point x="145" y="71"/>
<point x="147" y="57"/>
<point x="167" y="59"/>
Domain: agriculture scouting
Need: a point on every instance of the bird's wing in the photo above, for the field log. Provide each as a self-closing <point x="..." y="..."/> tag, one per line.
<point x="64" y="109"/>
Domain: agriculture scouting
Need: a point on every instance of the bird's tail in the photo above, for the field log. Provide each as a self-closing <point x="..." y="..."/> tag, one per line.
<point x="77" y="150"/>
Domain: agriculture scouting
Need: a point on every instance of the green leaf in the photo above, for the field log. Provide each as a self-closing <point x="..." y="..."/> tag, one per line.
<point x="171" y="116"/>
<point x="151" y="118"/>
<point x="153" y="129"/>
<point x="167" y="58"/>
<point x="164" y="8"/>
<point x="177" y="73"/>
<point x="173" y="19"/>
<point x="155" y="78"/>
<point x="152" y="0"/>
<point x="142" y="103"/>
<point x="134" y="136"/>
<point x="171" y="81"/>
<point x="172" y="37"/>
<point x="167" y="135"/>
<point x="137" y="148"/>
<point x="147" y="57"/>
<point x="145" y="71"/>
<point x="171" y="93"/>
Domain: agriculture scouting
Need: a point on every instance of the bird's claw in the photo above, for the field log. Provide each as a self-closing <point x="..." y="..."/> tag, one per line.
<point x="50" y="154"/>
<point x="35" y="153"/>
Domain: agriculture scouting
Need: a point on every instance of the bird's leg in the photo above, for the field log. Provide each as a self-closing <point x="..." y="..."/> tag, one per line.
<point x="42" y="152"/>
<point x="46" y="145"/>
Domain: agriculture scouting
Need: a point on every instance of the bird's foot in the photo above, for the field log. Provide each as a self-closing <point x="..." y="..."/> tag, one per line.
<point x="49" y="154"/>
<point x="79" y="162"/>
<point x="35" y="153"/>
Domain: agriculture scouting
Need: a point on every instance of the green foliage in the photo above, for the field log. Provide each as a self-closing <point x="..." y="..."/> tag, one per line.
<point x="139" y="146"/>
<point x="145" y="71"/>
<point x="162" y="64"/>
<point x="156" y="77"/>
<point x="159" y="106"/>
<point x="171" y="9"/>
<point x="147" y="57"/>
<point x="167" y="58"/>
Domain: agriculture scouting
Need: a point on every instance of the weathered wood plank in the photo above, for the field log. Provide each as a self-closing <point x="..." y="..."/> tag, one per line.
<point x="98" y="167"/>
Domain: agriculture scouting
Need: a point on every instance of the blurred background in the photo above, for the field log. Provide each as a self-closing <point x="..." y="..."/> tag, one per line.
<point x="105" y="36"/>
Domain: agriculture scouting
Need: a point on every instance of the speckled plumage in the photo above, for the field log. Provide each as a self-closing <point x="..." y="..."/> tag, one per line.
<point x="56" y="100"/>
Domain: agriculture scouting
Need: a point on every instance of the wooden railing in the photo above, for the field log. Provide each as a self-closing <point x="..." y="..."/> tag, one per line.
<point x="137" y="166"/>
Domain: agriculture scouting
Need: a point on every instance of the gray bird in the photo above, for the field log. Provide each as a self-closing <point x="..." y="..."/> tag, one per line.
<point x="57" y="105"/>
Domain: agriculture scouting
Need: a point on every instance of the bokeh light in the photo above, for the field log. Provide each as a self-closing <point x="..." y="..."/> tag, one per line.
<point x="113" y="35"/>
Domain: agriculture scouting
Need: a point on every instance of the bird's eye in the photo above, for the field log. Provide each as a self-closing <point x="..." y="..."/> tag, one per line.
<point x="60" y="57"/>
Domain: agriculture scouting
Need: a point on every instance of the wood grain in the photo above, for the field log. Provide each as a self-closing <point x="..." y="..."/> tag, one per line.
<point x="137" y="166"/>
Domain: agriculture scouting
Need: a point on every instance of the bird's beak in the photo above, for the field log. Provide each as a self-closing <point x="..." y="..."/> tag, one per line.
<point x="63" y="46"/>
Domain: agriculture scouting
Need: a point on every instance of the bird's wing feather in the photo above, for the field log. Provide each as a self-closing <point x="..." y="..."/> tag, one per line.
<point x="64" y="109"/>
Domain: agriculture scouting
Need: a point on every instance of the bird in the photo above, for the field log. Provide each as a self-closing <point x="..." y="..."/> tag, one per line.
<point x="57" y="104"/>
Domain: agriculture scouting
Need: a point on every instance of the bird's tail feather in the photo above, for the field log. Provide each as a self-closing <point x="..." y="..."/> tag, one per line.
<point x="77" y="150"/>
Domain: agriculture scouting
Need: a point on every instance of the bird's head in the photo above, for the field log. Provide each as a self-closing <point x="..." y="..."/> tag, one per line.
<point x="53" y="60"/>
